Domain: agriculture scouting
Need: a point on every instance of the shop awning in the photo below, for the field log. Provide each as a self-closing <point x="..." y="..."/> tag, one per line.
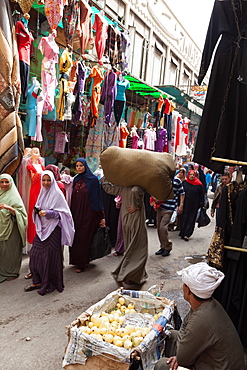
<point x="144" y="90"/>
<point x="181" y="97"/>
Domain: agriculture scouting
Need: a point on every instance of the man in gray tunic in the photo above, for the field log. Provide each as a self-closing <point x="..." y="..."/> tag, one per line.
<point x="207" y="338"/>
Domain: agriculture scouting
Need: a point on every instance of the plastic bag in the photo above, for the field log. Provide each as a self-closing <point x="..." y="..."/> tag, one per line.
<point x="101" y="244"/>
<point x="203" y="219"/>
<point x="173" y="217"/>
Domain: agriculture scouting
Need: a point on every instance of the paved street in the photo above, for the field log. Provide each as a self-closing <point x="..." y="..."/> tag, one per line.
<point x="25" y="315"/>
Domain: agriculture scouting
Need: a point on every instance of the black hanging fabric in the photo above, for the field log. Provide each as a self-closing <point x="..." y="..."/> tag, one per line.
<point x="222" y="131"/>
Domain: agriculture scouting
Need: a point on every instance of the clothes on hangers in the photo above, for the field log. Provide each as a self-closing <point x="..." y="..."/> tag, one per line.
<point x="100" y="26"/>
<point x="84" y="28"/>
<point x="79" y="91"/>
<point x="98" y="77"/>
<point x="71" y="15"/>
<point x="108" y="95"/>
<point x="54" y="12"/>
<point x="65" y="67"/>
<point x="161" y="141"/>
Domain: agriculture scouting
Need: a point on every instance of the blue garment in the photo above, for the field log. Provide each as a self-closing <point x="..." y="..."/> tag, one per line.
<point x="178" y="189"/>
<point x="31" y="118"/>
<point x="121" y="87"/>
<point x="93" y="186"/>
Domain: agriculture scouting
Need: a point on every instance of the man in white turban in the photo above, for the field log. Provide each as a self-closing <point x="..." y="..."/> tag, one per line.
<point x="207" y="338"/>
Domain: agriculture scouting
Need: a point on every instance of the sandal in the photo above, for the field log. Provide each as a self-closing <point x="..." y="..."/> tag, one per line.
<point x="28" y="276"/>
<point x="81" y="270"/>
<point x="118" y="254"/>
<point x="31" y="287"/>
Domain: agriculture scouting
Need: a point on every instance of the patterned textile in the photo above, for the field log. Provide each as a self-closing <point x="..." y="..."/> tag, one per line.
<point x="215" y="252"/>
<point x="11" y="140"/>
<point x="54" y="12"/>
<point x="70" y="19"/>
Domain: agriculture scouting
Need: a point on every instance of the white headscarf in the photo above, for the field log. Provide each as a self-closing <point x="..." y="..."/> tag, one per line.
<point x="201" y="279"/>
<point x="53" y="199"/>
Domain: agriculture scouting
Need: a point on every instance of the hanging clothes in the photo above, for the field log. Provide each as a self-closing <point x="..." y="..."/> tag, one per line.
<point x="79" y="91"/>
<point x="108" y="95"/>
<point x="85" y="25"/>
<point x="222" y="131"/>
<point x="50" y="50"/>
<point x="65" y="67"/>
<point x="149" y="139"/>
<point x="54" y="12"/>
<point x="124" y="65"/>
<point x="161" y="140"/>
<point x="98" y="77"/>
<point x="119" y="104"/>
<point x="123" y="136"/>
<point x="70" y="19"/>
<point x="100" y="26"/>
<point x="24" y="40"/>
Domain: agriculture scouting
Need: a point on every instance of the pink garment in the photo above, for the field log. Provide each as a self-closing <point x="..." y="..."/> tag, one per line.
<point x="100" y="26"/>
<point x="54" y="12"/>
<point x="67" y="180"/>
<point x="61" y="140"/>
<point x="50" y="50"/>
<point x="149" y="139"/>
<point x="135" y="142"/>
<point x="85" y="24"/>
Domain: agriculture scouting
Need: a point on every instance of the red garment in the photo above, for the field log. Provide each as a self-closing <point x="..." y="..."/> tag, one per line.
<point x="178" y="130"/>
<point x="160" y="103"/>
<point x="196" y="181"/>
<point x="85" y="25"/>
<point x="34" y="193"/>
<point x="100" y="26"/>
<point x="123" y="136"/>
<point x="167" y="106"/>
<point x="97" y="75"/>
<point x="24" y="41"/>
<point x="185" y="129"/>
<point x="62" y="187"/>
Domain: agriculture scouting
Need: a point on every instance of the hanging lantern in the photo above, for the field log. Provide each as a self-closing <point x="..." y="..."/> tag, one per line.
<point x="25" y="6"/>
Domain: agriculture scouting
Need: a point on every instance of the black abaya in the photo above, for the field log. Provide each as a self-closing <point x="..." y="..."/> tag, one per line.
<point x="226" y="94"/>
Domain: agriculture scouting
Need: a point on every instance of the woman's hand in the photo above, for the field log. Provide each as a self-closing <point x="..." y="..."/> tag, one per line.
<point x="42" y="213"/>
<point x="102" y="223"/>
<point x="5" y="206"/>
<point x="173" y="363"/>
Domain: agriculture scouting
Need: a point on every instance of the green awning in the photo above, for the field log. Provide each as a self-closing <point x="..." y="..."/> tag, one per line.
<point x="144" y="90"/>
<point x="181" y="97"/>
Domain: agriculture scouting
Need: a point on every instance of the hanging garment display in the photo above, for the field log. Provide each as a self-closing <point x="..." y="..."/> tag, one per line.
<point x="12" y="145"/>
<point x="124" y="65"/>
<point x="65" y="67"/>
<point x="85" y="25"/>
<point x="79" y="91"/>
<point x="25" y="6"/>
<point x="54" y="12"/>
<point x="98" y="77"/>
<point x="123" y="135"/>
<point x="100" y="26"/>
<point x="222" y="131"/>
<point x="50" y="50"/>
<point x="119" y="104"/>
<point x="113" y="46"/>
<point x="24" y="39"/>
<point x="70" y="19"/>
<point x="31" y="119"/>
<point x="108" y="95"/>
<point x="161" y="140"/>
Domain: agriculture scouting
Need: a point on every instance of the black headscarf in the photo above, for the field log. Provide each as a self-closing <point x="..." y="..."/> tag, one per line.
<point x="93" y="186"/>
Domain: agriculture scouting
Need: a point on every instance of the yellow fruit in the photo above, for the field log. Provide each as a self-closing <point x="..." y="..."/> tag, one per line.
<point x="121" y="300"/>
<point x="130" y="328"/>
<point x="130" y="306"/>
<point x="110" y="317"/>
<point x="136" y="341"/>
<point x="118" y="305"/>
<point x="121" y="320"/>
<point x="123" y="308"/>
<point x="108" y="338"/>
<point x="90" y="324"/>
<point x="127" y="344"/>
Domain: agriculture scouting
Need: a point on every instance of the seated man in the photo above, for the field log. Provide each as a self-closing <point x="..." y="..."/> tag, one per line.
<point x="207" y="338"/>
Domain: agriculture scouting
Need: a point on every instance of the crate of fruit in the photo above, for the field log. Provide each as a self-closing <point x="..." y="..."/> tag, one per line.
<point x="104" y="336"/>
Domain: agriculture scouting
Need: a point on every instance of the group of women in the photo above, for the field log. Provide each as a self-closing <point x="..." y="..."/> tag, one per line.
<point x="56" y="225"/>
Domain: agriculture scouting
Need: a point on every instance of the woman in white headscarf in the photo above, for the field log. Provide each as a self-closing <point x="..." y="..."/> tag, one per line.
<point x="13" y="223"/>
<point x="54" y="228"/>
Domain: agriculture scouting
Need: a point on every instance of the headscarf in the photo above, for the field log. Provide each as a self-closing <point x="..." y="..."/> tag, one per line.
<point x="53" y="199"/>
<point x="93" y="186"/>
<point x="201" y="279"/>
<point x="12" y="198"/>
<point x="196" y="181"/>
<point x="55" y="170"/>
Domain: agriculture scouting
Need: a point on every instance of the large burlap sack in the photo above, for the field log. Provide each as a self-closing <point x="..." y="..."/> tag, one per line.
<point x="129" y="167"/>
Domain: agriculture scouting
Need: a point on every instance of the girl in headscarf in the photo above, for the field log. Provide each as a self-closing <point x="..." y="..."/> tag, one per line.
<point x="13" y="223"/>
<point x="88" y="213"/>
<point x="194" y="199"/>
<point x="56" y="172"/>
<point x="54" y="228"/>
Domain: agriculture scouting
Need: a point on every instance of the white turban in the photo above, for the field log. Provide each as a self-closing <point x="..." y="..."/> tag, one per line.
<point x="201" y="279"/>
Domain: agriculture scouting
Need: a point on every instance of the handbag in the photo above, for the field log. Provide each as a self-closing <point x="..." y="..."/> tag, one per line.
<point x="203" y="219"/>
<point x="101" y="244"/>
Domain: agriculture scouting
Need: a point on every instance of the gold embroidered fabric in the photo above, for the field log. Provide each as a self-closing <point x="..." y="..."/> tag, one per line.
<point x="215" y="252"/>
<point x="25" y="5"/>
